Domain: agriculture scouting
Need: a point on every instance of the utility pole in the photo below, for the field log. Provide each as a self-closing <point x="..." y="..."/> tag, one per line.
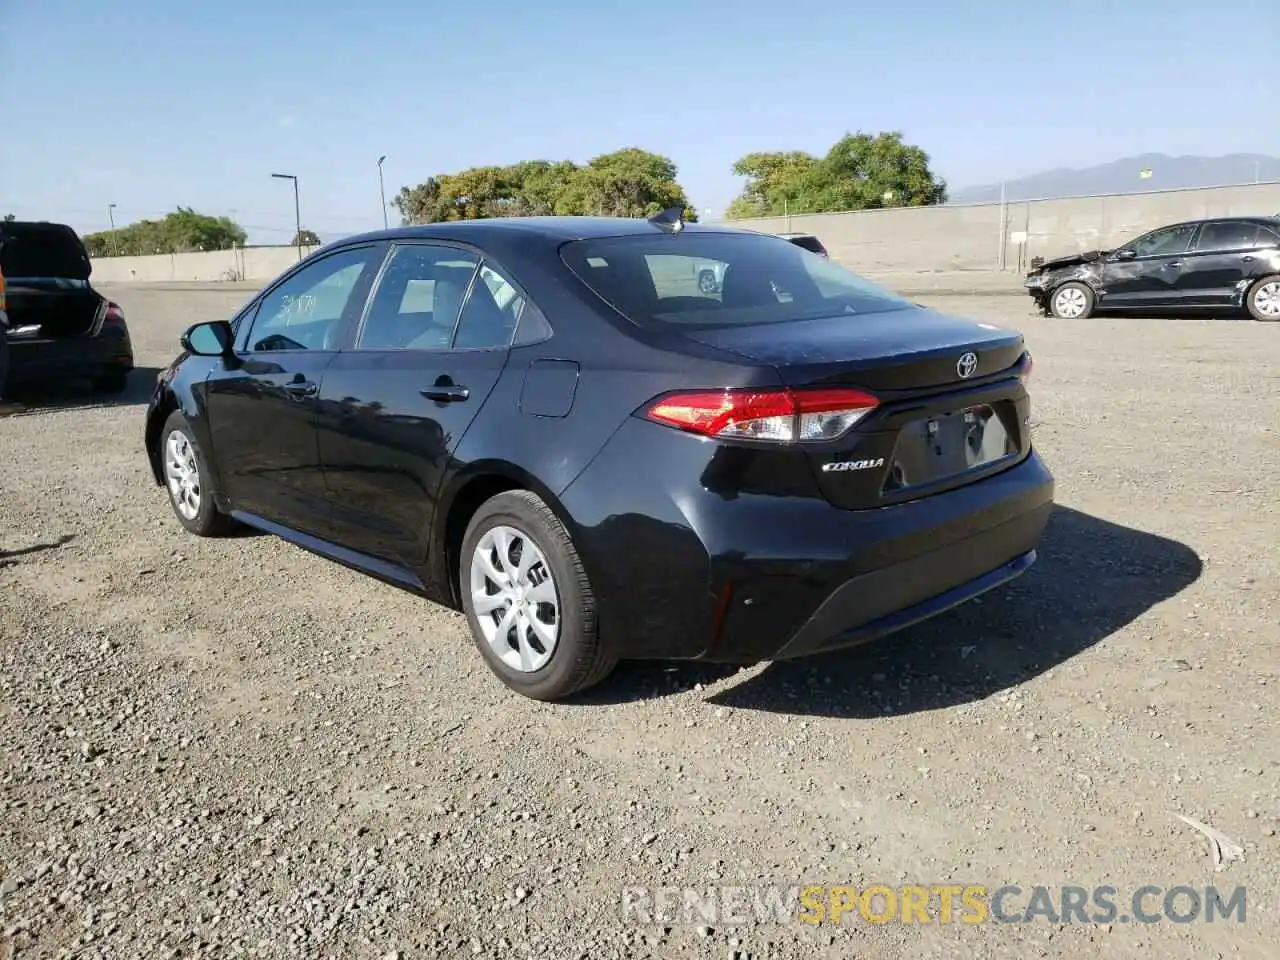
<point x="115" y="241"/>
<point x="297" y="210"/>
<point x="1003" y="226"/>
<point x="382" y="192"/>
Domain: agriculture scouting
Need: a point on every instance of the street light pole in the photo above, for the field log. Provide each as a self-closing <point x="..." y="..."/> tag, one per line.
<point x="382" y="192"/>
<point x="297" y="210"/>
<point x="115" y="241"/>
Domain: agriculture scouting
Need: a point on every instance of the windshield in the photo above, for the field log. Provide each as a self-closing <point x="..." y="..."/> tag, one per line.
<point x="720" y="280"/>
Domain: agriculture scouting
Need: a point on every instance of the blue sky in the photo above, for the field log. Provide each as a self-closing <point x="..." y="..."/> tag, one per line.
<point x="149" y="105"/>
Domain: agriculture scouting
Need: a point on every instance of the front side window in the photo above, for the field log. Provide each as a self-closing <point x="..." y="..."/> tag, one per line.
<point x="418" y="298"/>
<point x="1226" y="236"/>
<point x="306" y="311"/>
<point x="1166" y="242"/>
<point x="715" y="279"/>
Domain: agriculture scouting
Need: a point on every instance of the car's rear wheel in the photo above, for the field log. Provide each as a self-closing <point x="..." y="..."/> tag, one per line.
<point x="1072" y="301"/>
<point x="1263" y="300"/>
<point x="188" y="480"/>
<point x="528" y="600"/>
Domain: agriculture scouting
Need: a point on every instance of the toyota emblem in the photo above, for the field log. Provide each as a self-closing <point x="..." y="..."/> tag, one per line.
<point x="966" y="365"/>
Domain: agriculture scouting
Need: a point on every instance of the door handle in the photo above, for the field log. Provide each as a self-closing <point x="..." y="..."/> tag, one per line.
<point x="301" y="388"/>
<point x="1174" y="263"/>
<point x="1247" y="258"/>
<point x="446" y="393"/>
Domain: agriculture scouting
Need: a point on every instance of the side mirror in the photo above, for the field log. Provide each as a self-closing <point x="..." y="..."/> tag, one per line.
<point x="213" y="339"/>
<point x="1125" y="254"/>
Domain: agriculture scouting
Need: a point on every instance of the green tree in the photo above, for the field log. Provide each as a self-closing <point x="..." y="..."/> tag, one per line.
<point x="305" y="238"/>
<point x="183" y="231"/>
<point x="770" y="177"/>
<point x="626" y="183"/>
<point x="9" y="218"/>
<point x="859" y="172"/>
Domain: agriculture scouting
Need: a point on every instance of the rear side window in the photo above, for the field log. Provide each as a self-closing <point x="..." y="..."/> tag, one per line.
<point x="418" y="298"/>
<point x="1227" y="236"/>
<point x="720" y="279"/>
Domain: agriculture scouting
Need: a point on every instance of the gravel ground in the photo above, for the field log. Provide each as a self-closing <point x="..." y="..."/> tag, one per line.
<point x="235" y="748"/>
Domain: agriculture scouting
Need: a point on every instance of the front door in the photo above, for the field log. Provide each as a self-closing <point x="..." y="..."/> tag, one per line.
<point x="1219" y="259"/>
<point x="430" y="349"/>
<point x="1145" y="273"/>
<point x="262" y="407"/>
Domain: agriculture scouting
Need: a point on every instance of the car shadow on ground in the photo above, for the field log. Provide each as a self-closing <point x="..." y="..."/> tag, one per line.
<point x="1091" y="579"/>
<point x="38" y="398"/>
<point x="10" y="557"/>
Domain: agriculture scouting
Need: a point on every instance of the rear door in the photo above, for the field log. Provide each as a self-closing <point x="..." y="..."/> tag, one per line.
<point x="395" y="405"/>
<point x="1219" y="259"/>
<point x="1150" y="277"/>
<point x="262" y="407"/>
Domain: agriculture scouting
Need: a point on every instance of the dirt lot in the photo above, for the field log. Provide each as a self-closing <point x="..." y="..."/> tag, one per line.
<point x="227" y="748"/>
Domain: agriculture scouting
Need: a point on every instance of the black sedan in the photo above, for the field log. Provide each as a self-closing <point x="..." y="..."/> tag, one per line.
<point x="1228" y="264"/>
<point x="546" y="423"/>
<point x="59" y="327"/>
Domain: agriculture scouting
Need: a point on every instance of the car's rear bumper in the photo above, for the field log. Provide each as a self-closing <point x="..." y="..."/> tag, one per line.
<point x="53" y="359"/>
<point x="740" y="579"/>
<point x="887" y="600"/>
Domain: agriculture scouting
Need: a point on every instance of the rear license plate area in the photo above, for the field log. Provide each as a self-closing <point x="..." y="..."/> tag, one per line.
<point x="941" y="446"/>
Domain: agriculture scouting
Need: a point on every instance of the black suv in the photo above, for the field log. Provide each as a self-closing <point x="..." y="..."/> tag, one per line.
<point x="1226" y="262"/>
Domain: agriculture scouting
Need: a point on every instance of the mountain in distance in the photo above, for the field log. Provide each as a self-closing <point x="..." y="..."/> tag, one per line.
<point x="1124" y="176"/>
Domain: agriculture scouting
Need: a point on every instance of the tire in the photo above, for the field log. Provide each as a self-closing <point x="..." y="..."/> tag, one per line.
<point x="112" y="382"/>
<point x="205" y="520"/>
<point x="707" y="282"/>
<point x="1263" y="300"/>
<point x="574" y="658"/>
<point x="1072" y="301"/>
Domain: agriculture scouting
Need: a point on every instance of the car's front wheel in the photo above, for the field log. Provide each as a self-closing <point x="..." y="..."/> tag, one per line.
<point x="1263" y="300"/>
<point x="1072" y="301"/>
<point x="188" y="479"/>
<point x="528" y="600"/>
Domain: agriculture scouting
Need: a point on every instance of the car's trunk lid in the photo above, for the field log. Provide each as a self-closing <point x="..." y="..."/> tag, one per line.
<point x="952" y="407"/>
<point x="895" y="351"/>
<point x="46" y="270"/>
<point x="42" y="250"/>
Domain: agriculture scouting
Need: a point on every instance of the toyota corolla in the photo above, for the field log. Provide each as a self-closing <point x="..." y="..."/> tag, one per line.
<point x="549" y="424"/>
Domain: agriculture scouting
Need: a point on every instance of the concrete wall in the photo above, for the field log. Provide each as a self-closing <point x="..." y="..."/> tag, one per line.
<point x="952" y="237"/>
<point x="971" y="237"/>
<point x="249" y="263"/>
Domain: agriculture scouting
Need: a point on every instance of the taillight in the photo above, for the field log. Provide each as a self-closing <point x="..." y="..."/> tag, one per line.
<point x="1" y="291"/>
<point x="114" y="314"/>
<point x="781" y="415"/>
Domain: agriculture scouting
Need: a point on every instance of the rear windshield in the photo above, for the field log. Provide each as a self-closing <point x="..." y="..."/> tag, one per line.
<point x="720" y="280"/>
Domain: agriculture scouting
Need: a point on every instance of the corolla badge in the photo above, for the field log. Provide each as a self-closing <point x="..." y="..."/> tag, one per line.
<point x="842" y="466"/>
<point x="966" y="365"/>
